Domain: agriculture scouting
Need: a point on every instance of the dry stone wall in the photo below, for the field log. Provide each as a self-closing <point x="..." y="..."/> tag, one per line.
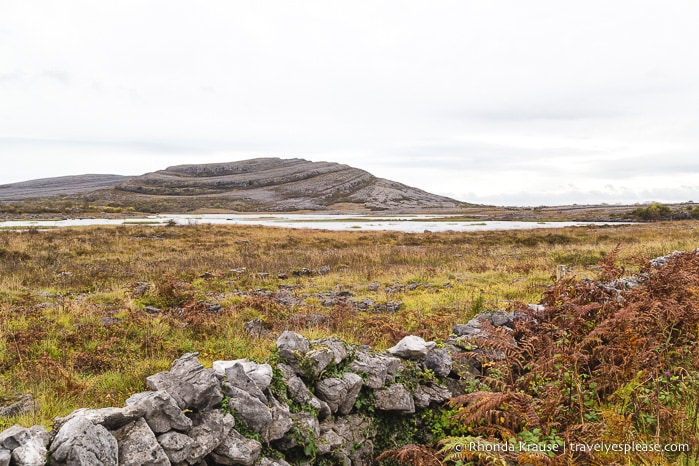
<point x="314" y="402"/>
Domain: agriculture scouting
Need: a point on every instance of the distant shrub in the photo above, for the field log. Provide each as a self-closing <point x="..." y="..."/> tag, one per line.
<point x="655" y="211"/>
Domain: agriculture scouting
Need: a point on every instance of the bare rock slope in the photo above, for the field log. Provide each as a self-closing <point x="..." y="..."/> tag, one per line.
<point x="263" y="184"/>
<point x="58" y="186"/>
<point x="274" y="184"/>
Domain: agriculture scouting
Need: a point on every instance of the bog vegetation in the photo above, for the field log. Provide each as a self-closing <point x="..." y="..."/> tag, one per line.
<point x="87" y="313"/>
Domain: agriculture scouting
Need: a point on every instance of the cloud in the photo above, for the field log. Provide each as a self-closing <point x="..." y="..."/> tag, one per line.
<point x="505" y="100"/>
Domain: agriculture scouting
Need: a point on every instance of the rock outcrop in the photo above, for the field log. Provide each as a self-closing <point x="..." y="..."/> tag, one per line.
<point x="263" y="184"/>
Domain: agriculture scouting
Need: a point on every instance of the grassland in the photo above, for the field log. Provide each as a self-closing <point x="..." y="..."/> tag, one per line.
<point x="79" y="328"/>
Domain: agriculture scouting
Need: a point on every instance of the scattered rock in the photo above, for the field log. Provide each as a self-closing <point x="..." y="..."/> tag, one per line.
<point x="255" y="328"/>
<point x="24" y="404"/>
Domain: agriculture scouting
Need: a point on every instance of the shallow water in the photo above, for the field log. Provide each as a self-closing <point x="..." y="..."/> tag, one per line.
<point x="404" y="223"/>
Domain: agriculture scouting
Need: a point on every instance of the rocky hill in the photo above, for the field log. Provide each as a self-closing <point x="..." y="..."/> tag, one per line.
<point x="58" y="186"/>
<point x="263" y="184"/>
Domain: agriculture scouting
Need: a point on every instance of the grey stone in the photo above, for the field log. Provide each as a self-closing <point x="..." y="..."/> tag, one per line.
<point x="261" y="374"/>
<point x="238" y="378"/>
<point x="499" y="318"/>
<point x="412" y="347"/>
<point x="374" y="368"/>
<point x="192" y="386"/>
<point x="110" y="418"/>
<point x="281" y="421"/>
<point x="297" y="390"/>
<point x="5" y="457"/>
<point x="354" y="431"/>
<point x="338" y="348"/>
<point x="394" y="398"/>
<point x="300" y="394"/>
<point x="161" y="411"/>
<point x="321" y="407"/>
<point x="14" y="437"/>
<point x="254" y="414"/>
<point x="236" y="449"/>
<point x="33" y="451"/>
<point x="306" y="429"/>
<point x="138" y="446"/>
<point x="474" y="329"/>
<point x="255" y="328"/>
<point x="439" y="361"/>
<point x="333" y="391"/>
<point x="273" y="462"/>
<point x="292" y="346"/>
<point x="23" y="404"/>
<point x="319" y="359"/>
<point x="431" y="393"/>
<point x="393" y="364"/>
<point x="210" y="429"/>
<point x="354" y="385"/>
<point x="176" y="446"/>
<point x="328" y="440"/>
<point x="340" y="394"/>
<point x="79" y="442"/>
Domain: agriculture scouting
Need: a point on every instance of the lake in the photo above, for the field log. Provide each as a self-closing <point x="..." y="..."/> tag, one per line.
<point x="404" y="223"/>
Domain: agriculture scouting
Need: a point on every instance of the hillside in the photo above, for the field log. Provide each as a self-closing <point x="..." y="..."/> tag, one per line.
<point x="264" y="184"/>
<point x="58" y="186"/>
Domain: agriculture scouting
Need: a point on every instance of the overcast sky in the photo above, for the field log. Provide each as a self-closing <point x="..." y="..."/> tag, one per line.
<point x="537" y="102"/>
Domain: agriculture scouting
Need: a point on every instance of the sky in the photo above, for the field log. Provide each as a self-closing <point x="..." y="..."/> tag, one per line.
<point x="505" y="102"/>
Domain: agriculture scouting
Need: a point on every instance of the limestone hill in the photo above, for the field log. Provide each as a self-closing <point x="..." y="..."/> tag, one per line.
<point x="263" y="184"/>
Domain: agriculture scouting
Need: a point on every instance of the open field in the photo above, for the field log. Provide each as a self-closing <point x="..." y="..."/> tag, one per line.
<point x="76" y="332"/>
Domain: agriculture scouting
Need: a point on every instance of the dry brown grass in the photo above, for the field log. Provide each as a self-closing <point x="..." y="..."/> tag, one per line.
<point x="75" y="332"/>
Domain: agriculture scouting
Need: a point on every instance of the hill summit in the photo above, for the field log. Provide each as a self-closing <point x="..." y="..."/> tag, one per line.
<point x="262" y="185"/>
